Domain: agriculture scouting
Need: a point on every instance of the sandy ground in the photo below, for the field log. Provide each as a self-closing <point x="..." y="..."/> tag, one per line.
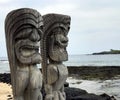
<point x="5" y="91"/>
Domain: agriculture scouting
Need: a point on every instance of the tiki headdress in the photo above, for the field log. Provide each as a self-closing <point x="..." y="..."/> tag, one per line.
<point x="55" y="25"/>
<point x="19" y="26"/>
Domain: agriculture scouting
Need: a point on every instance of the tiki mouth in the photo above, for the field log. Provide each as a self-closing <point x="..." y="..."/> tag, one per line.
<point x="63" y="43"/>
<point x="27" y="52"/>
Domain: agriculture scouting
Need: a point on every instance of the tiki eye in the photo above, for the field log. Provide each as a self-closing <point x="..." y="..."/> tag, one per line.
<point x="64" y="31"/>
<point x="40" y="32"/>
<point x="68" y="28"/>
<point x="41" y="27"/>
<point x="24" y="33"/>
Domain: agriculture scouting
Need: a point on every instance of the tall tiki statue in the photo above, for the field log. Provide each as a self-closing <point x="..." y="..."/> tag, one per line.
<point x="23" y="28"/>
<point x="53" y="50"/>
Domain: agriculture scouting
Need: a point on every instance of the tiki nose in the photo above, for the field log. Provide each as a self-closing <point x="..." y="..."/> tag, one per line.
<point x="35" y="36"/>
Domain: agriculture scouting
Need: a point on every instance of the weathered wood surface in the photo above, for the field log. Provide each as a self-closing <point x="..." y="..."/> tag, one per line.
<point x="23" y="29"/>
<point x="54" y="43"/>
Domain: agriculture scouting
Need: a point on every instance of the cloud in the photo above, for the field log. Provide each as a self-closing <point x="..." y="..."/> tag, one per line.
<point x="97" y="41"/>
<point x="94" y="25"/>
<point x="4" y="1"/>
<point x="59" y="8"/>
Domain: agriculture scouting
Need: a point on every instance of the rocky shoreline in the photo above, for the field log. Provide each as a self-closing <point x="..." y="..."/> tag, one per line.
<point x="94" y="72"/>
<point x="84" y="72"/>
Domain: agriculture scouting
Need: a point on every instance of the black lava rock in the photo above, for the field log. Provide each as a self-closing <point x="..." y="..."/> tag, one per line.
<point x="79" y="94"/>
<point x="5" y="78"/>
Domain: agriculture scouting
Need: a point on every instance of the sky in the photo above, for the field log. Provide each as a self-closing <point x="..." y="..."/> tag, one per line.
<point x="95" y="24"/>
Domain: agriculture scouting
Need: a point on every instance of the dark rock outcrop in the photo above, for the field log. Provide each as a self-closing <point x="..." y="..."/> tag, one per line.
<point x="5" y="78"/>
<point x="79" y="94"/>
<point x="97" y="72"/>
<point x="74" y="92"/>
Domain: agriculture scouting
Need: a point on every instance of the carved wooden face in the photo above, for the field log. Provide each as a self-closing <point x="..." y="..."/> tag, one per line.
<point x="27" y="42"/>
<point x="58" y="44"/>
<point x="61" y="38"/>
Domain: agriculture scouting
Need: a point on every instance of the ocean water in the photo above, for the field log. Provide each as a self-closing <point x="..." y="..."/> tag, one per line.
<point x="94" y="60"/>
<point x="77" y="60"/>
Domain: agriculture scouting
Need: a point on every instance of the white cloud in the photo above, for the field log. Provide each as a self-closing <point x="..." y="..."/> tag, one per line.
<point x="104" y="19"/>
<point x="58" y="8"/>
<point x="4" y="1"/>
<point x="94" y="25"/>
<point x="99" y="41"/>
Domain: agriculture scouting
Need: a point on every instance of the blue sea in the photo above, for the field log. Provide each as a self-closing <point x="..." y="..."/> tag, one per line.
<point x="77" y="60"/>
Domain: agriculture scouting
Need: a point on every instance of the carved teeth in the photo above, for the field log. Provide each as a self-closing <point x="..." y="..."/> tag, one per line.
<point x="29" y="50"/>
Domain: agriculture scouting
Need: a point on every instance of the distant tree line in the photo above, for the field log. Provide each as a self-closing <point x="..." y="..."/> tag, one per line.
<point x="112" y="51"/>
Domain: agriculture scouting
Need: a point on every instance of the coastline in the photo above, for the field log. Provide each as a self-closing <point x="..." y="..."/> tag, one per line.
<point x="112" y="51"/>
<point x="81" y="72"/>
<point x="94" y="72"/>
<point x="92" y="79"/>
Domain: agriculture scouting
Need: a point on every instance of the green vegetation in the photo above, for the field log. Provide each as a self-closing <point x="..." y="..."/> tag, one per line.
<point x="108" y="52"/>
